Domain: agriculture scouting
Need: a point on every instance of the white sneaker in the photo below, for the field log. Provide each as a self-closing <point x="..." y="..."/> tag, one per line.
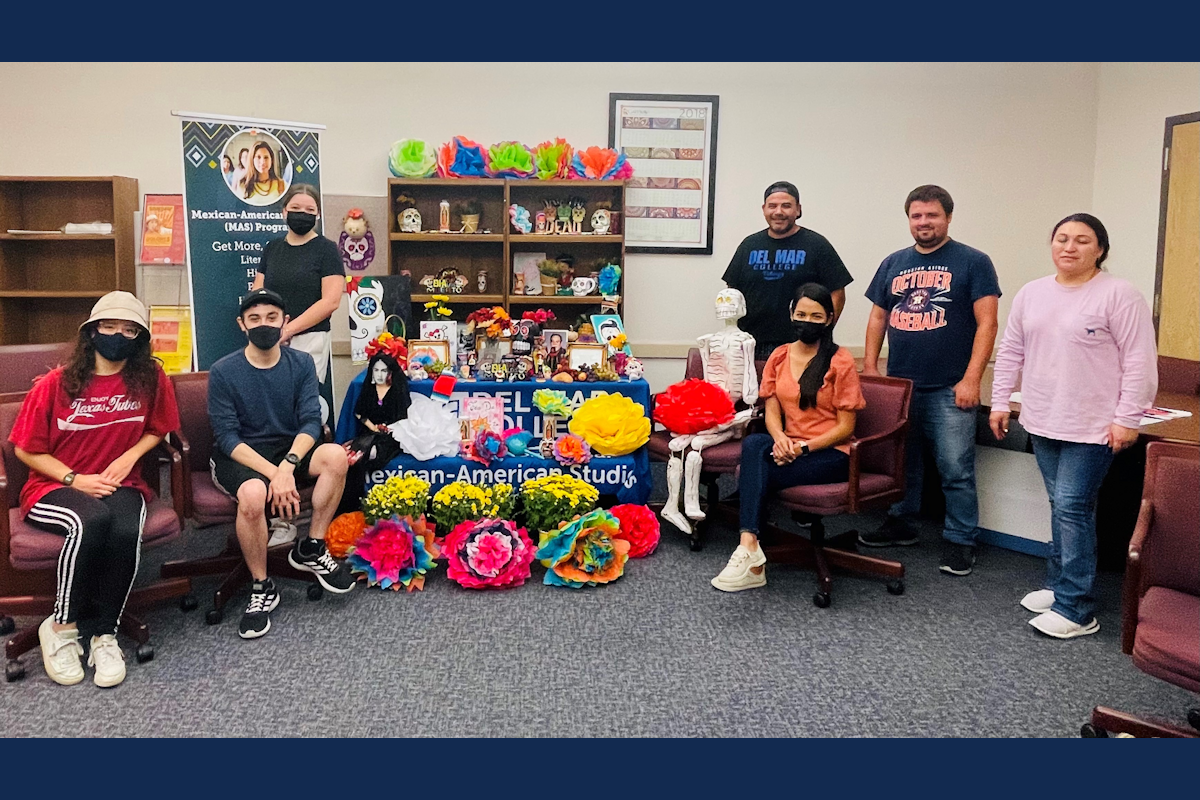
<point x="737" y="575"/>
<point x="60" y="653"/>
<point x="107" y="658"/>
<point x="1038" y="602"/>
<point x="282" y="532"/>
<point x="1054" y="624"/>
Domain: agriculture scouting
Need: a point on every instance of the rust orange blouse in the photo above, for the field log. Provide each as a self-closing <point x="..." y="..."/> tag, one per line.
<point x="839" y="392"/>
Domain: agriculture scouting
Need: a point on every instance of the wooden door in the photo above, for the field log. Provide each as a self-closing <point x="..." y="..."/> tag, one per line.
<point x="1177" y="285"/>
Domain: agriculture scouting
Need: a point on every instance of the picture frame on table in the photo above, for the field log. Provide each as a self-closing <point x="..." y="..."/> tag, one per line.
<point x="583" y="355"/>
<point x="551" y="351"/>
<point x="434" y="349"/>
<point x="442" y="330"/>
<point x="492" y="350"/>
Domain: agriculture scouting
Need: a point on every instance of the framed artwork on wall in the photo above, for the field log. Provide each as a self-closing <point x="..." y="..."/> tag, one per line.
<point x="671" y="142"/>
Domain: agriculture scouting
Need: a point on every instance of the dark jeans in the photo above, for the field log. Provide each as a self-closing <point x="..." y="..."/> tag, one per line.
<point x="1072" y="473"/>
<point x="99" y="560"/>
<point x="760" y="475"/>
<point x="950" y="430"/>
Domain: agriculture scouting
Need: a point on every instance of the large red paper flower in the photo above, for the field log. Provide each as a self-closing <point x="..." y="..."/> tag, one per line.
<point x="639" y="527"/>
<point x="488" y="554"/>
<point x="692" y="406"/>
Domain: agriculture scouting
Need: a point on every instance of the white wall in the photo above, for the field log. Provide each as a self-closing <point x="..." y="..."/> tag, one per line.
<point x="1014" y="143"/>
<point x="1135" y="100"/>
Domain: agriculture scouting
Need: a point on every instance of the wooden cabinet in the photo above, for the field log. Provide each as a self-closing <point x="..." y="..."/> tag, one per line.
<point x="492" y="253"/>
<point x="50" y="281"/>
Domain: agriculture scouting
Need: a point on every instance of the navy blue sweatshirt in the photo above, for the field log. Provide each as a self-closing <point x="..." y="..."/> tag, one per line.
<point x="252" y="405"/>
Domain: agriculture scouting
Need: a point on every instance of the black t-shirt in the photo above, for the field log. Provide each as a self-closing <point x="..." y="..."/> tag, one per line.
<point x="294" y="272"/>
<point x="768" y="271"/>
<point x="930" y="300"/>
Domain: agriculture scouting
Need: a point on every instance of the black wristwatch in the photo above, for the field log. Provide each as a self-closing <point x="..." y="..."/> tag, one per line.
<point x="69" y="478"/>
<point x="292" y="459"/>
<point x="804" y="448"/>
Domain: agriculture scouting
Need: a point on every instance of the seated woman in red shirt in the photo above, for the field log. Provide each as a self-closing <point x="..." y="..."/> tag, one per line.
<point x="812" y="394"/>
<point x="81" y="431"/>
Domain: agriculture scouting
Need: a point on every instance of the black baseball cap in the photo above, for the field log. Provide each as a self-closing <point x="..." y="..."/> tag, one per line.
<point x="782" y="186"/>
<point x="261" y="297"/>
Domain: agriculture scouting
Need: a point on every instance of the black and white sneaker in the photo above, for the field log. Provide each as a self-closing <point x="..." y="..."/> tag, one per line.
<point x="957" y="559"/>
<point x="332" y="574"/>
<point x="256" y="620"/>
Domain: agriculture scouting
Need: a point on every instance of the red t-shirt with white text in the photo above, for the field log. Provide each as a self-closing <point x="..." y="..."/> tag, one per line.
<point x="91" y="431"/>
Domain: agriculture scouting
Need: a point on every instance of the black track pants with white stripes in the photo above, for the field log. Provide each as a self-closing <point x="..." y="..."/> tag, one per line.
<point x="99" y="560"/>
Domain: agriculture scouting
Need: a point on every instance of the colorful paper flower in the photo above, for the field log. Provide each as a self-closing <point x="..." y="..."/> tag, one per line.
<point x="584" y="552"/>
<point x="600" y="164"/>
<point x="612" y="424"/>
<point x="343" y="532"/>
<point x="396" y="496"/>
<point x="395" y="552"/>
<point x="692" y="406"/>
<point x="486" y="447"/>
<point x="552" y="159"/>
<point x="461" y="158"/>
<point x="552" y="499"/>
<point x="570" y="449"/>
<point x="386" y="343"/>
<point x="552" y="402"/>
<point x="412" y="158"/>
<point x="488" y="554"/>
<point x="541" y="316"/>
<point x="510" y="160"/>
<point x="609" y="280"/>
<point x="639" y="527"/>
<point x="517" y="440"/>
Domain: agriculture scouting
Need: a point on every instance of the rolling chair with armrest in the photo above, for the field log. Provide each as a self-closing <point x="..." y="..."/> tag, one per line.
<point x="29" y="555"/>
<point x="1160" y="625"/>
<point x="876" y="481"/>
<point x="207" y="505"/>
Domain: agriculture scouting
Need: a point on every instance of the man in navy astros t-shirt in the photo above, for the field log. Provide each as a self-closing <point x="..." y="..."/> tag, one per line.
<point x="937" y="300"/>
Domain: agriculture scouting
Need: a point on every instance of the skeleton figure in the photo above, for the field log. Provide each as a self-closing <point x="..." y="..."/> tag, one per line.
<point x="728" y="359"/>
<point x="578" y="212"/>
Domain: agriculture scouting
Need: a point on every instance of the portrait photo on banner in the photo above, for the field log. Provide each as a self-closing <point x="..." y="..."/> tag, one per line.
<point x="256" y="166"/>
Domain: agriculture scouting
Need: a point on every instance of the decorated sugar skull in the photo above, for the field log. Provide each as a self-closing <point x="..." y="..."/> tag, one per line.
<point x="634" y="369"/>
<point x="525" y="331"/>
<point x="578" y="211"/>
<point x="583" y="286"/>
<point x="731" y="304"/>
<point x="600" y="221"/>
<point x="410" y="221"/>
<point x="416" y="372"/>
<point x="366" y="316"/>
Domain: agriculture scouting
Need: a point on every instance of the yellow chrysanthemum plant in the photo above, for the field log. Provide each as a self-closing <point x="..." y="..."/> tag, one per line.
<point x="555" y="499"/>
<point x="396" y="497"/>
<point x="458" y="502"/>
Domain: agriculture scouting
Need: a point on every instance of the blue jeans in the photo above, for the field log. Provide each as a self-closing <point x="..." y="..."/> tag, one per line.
<point x="760" y="475"/>
<point x="950" y="430"/>
<point x="1073" y="473"/>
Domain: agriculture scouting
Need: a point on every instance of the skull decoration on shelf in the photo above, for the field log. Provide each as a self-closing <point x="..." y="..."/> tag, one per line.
<point x="578" y="212"/>
<point x="410" y="221"/>
<point x="600" y="221"/>
<point x="356" y="242"/>
<point x="525" y="331"/>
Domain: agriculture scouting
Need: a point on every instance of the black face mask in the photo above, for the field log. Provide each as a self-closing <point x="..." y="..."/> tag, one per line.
<point x="114" y="346"/>
<point x="809" y="332"/>
<point x="264" y="337"/>
<point x="301" y="222"/>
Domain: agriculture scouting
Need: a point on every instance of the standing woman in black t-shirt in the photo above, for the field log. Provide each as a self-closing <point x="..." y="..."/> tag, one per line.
<point x="305" y="270"/>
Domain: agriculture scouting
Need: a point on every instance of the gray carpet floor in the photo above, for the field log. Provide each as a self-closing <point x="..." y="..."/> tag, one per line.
<point x="657" y="653"/>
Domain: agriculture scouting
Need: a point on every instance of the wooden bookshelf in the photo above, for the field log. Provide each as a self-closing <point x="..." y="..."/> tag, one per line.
<point x="50" y="281"/>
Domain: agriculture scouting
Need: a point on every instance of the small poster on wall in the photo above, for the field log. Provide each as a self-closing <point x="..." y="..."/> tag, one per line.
<point x="162" y="231"/>
<point x="171" y="337"/>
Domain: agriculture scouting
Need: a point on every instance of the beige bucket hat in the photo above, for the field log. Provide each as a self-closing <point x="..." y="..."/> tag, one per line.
<point x="120" y="305"/>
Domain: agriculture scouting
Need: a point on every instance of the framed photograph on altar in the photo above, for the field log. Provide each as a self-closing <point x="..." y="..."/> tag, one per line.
<point x="583" y="355"/>
<point x="492" y="350"/>
<point x="551" y="351"/>
<point x="670" y="140"/>
<point x="426" y="351"/>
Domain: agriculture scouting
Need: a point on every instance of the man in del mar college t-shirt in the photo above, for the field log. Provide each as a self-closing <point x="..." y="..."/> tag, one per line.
<point x="770" y="265"/>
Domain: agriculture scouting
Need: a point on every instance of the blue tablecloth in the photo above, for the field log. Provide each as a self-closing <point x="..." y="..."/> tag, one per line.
<point x="628" y="477"/>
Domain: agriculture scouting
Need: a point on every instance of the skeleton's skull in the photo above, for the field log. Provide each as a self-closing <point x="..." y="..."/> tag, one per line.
<point x="355" y="249"/>
<point x="634" y="370"/>
<point x="731" y="304"/>
<point x="524" y="333"/>
<point x="600" y="221"/>
<point x="578" y="213"/>
<point x="410" y="221"/>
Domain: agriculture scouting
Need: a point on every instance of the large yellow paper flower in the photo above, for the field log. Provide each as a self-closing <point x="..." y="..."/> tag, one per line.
<point x="612" y="424"/>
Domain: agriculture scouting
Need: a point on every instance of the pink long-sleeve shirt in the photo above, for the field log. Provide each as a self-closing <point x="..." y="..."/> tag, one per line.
<point x="1085" y="355"/>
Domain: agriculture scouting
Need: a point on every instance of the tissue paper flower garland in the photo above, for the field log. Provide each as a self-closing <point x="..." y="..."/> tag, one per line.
<point x="343" y="532"/>
<point x="612" y="424"/>
<point x="395" y="552"/>
<point x="692" y="406"/>
<point x="552" y="159"/>
<point x="488" y="554"/>
<point x="584" y="551"/>
<point x="609" y="279"/>
<point x="461" y="158"/>
<point x="486" y="447"/>
<point x="412" y="158"/>
<point x="639" y="527"/>
<point x="570" y="449"/>
<point x="397" y="496"/>
<point x="552" y="402"/>
<point x="600" y="164"/>
<point x="430" y="430"/>
<point x="550" y="500"/>
<point x="510" y="160"/>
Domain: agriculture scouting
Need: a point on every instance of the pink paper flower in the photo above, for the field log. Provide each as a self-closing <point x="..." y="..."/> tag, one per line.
<point x="488" y="554"/>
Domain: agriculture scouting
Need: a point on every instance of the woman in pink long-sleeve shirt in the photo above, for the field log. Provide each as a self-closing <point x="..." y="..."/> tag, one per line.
<point x="1083" y="343"/>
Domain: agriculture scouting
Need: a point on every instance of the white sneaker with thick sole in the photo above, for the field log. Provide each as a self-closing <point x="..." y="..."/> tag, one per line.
<point x="1054" y="624"/>
<point x="109" y="661"/>
<point x="60" y="653"/>
<point x="1038" y="602"/>
<point x="737" y="575"/>
<point x="281" y="532"/>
